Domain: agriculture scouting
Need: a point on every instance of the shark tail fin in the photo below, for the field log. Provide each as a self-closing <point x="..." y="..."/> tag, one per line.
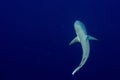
<point x="91" y="38"/>
<point x="76" y="70"/>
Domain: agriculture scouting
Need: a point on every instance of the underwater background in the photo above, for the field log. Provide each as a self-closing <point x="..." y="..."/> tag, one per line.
<point x="35" y="36"/>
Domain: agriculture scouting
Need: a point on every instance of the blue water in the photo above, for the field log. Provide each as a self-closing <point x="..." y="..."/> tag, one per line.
<point x="34" y="38"/>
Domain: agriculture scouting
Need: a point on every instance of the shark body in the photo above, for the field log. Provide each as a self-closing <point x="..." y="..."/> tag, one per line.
<point x="82" y="38"/>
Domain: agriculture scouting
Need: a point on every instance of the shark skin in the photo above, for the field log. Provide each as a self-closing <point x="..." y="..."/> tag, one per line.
<point x="82" y="38"/>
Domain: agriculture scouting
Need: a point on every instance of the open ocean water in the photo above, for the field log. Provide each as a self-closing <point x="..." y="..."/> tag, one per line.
<point x="35" y="36"/>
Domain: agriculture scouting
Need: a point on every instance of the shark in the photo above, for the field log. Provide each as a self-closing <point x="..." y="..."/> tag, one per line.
<point x="83" y="38"/>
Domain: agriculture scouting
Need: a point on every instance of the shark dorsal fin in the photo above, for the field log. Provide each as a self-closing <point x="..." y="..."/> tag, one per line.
<point x="76" y="39"/>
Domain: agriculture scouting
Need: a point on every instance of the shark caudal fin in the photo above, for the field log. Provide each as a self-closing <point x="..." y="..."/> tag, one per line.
<point x="76" y="69"/>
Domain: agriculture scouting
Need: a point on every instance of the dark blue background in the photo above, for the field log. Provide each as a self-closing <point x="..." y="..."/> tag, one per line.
<point x="34" y="38"/>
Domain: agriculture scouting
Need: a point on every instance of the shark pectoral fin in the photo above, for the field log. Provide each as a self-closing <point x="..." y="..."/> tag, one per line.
<point x="91" y="38"/>
<point x="76" y="39"/>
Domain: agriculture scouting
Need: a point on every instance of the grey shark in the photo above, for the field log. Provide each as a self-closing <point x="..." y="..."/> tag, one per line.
<point x="82" y="38"/>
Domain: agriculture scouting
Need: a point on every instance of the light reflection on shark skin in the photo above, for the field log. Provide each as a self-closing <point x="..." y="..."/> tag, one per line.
<point x="82" y="38"/>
